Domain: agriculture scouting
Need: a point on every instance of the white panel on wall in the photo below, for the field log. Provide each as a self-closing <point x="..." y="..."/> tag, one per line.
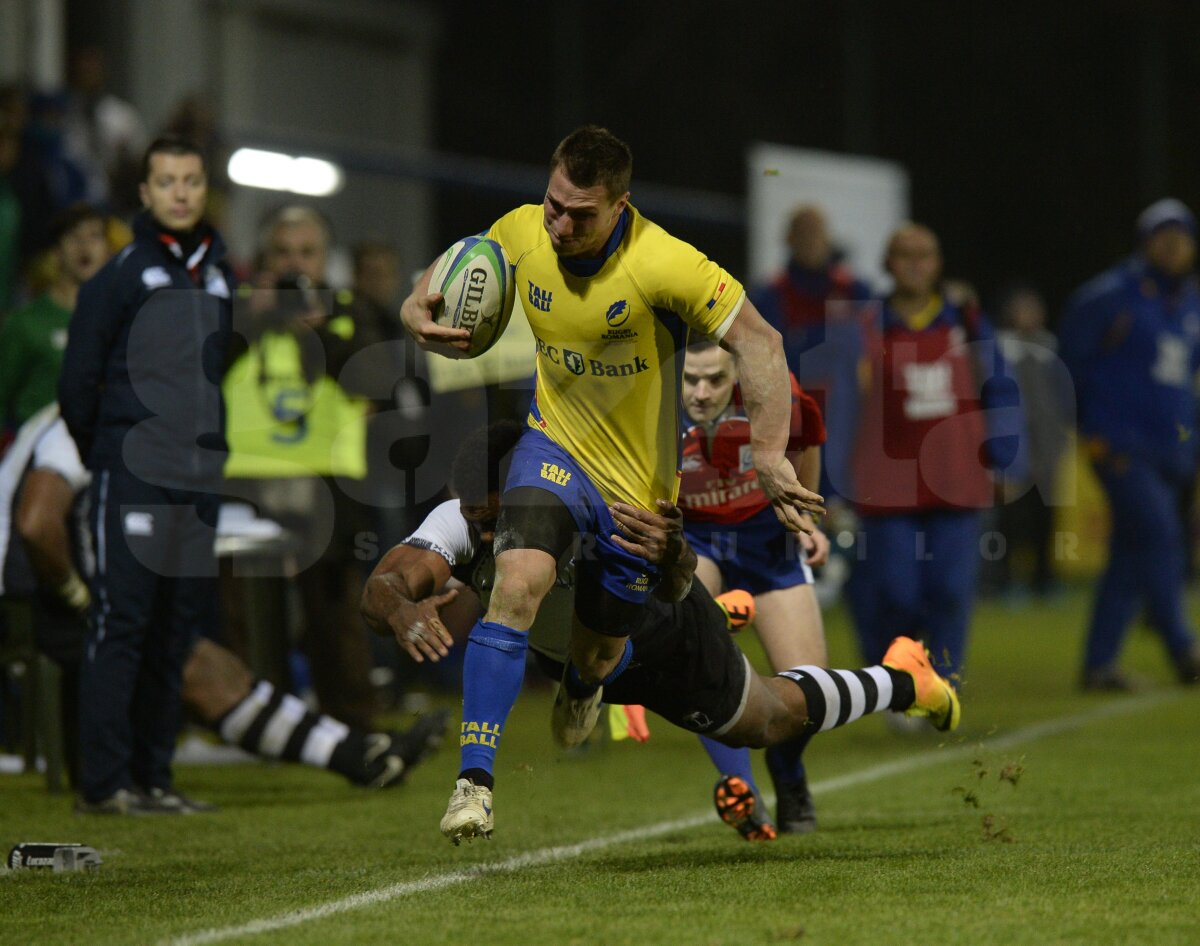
<point x="864" y="199"/>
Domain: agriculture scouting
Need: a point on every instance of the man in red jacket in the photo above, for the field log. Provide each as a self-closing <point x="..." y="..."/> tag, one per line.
<point x="939" y="413"/>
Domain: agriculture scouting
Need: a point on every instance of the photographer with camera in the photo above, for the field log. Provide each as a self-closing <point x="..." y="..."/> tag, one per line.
<point x="299" y="392"/>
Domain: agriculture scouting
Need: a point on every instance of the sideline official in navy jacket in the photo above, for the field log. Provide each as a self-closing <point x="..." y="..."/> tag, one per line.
<point x="140" y="393"/>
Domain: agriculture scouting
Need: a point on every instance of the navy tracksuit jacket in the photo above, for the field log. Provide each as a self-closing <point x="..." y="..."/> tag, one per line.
<point x="140" y="393"/>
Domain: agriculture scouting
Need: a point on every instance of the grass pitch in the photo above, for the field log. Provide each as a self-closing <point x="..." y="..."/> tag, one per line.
<point x="1050" y="817"/>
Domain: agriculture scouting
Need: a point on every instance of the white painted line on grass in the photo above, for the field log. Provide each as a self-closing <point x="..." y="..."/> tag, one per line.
<point x="548" y="855"/>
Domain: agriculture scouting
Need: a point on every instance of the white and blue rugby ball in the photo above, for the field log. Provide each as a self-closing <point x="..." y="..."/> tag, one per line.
<point x="478" y="289"/>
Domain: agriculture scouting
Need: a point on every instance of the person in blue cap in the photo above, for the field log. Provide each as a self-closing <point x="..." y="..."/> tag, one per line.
<point x="1131" y="339"/>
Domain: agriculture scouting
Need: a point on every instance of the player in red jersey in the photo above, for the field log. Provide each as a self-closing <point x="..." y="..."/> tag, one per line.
<point x="740" y="544"/>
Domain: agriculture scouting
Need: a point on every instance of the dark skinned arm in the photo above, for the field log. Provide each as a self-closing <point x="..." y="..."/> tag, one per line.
<point x="658" y="538"/>
<point x="399" y="599"/>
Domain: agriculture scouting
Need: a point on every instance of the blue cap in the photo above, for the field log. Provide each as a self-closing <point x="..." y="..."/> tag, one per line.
<point x="1167" y="212"/>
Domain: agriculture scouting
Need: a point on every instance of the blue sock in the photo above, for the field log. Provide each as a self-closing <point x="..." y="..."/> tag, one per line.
<point x="730" y="761"/>
<point x="493" y="671"/>
<point x="785" y="762"/>
<point x="577" y="689"/>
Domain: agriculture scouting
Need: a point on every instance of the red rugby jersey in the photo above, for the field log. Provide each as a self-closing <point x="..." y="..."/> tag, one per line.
<point x="719" y="483"/>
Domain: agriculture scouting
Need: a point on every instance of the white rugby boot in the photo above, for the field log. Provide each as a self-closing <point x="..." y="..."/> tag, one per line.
<point x="469" y="814"/>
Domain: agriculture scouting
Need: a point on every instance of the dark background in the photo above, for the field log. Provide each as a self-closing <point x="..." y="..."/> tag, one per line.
<point x="1032" y="133"/>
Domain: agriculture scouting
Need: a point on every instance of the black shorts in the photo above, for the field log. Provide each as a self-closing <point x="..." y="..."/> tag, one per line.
<point x="685" y="666"/>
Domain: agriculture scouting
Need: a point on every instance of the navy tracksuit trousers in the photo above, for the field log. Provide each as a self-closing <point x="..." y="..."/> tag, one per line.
<point x="154" y="591"/>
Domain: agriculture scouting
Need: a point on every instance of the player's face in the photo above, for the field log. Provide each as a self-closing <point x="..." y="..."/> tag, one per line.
<point x="83" y="250"/>
<point x="579" y="220"/>
<point x="483" y="518"/>
<point x="297" y="248"/>
<point x="175" y="190"/>
<point x="1172" y="250"/>
<point x="914" y="261"/>
<point x="708" y="379"/>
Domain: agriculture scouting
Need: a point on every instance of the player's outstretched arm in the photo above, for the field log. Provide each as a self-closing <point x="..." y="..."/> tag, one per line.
<point x="658" y="538"/>
<point x="399" y="599"/>
<point x="417" y="313"/>
<point x="766" y="392"/>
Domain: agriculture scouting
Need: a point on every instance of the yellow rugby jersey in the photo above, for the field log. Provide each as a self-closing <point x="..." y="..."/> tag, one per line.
<point x="607" y="376"/>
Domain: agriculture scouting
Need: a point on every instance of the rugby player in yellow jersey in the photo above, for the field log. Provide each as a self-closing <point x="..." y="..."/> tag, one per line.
<point x="611" y="298"/>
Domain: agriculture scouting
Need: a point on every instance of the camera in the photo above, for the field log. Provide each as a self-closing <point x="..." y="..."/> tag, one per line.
<point x="296" y="297"/>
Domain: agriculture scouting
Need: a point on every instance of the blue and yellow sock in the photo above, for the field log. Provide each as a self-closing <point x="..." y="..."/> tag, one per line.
<point x="493" y="671"/>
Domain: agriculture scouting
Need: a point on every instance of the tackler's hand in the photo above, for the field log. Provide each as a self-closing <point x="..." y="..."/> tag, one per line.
<point x="419" y="628"/>
<point x="656" y="537"/>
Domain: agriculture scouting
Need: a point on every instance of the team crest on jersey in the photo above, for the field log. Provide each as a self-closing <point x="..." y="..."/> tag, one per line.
<point x="745" y="458"/>
<point x="540" y="298"/>
<point x="555" y="474"/>
<point x="617" y="314"/>
<point x="573" y="360"/>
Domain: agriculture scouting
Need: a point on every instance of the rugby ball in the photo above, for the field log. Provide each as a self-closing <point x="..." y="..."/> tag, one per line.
<point x="478" y="289"/>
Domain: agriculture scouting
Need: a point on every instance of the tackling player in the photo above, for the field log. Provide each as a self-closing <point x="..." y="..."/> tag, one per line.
<point x="610" y="298"/>
<point x="740" y="544"/>
<point x="689" y="671"/>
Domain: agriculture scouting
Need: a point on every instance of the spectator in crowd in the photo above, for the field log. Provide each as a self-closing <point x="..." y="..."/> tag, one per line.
<point x="393" y="453"/>
<point x="740" y="544"/>
<point x="195" y="119"/>
<point x="815" y="303"/>
<point x="103" y="133"/>
<point x="377" y="285"/>
<point x="10" y="204"/>
<point x="1131" y="339"/>
<point x="43" y="538"/>
<point x="299" y="395"/>
<point x="26" y="198"/>
<point x="1026" y="519"/>
<point x="33" y="337"/>
<point x="140" y="397"/>
<point x="937" y="395"/>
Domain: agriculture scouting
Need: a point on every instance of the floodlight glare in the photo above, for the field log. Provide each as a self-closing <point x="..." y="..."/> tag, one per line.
<point x="271" y="170"/>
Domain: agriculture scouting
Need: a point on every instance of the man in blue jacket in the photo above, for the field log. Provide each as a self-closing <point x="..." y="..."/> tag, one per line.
<point x="1131" y="338"/>
<point x="815" y="303"/>
<point x="140" y="394"/>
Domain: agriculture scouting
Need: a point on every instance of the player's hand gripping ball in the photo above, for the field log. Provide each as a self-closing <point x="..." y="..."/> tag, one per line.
<point x="476" y="282"/>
